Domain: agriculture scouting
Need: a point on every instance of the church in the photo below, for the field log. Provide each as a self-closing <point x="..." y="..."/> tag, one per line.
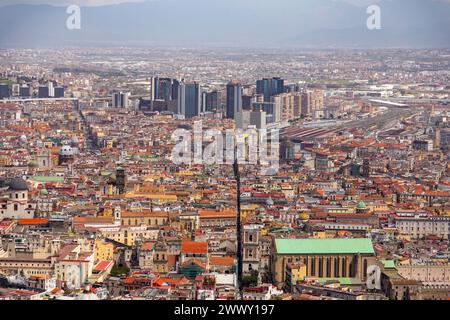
<point x="14" y="201"/>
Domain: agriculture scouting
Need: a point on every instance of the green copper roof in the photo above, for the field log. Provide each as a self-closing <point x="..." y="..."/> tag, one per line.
<point x="344" y="281"/>
<point x="323" y="246"/>
<point x="281" y="230"/>
<point x="388" y="264"/>
<point x="361" y="205"/>
<point x="47" y="179"/>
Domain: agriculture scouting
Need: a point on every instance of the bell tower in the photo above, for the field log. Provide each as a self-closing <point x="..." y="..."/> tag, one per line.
<point x="117" y="215"/>
<point x="250" y="247"/>
<point x="44" y="159"/>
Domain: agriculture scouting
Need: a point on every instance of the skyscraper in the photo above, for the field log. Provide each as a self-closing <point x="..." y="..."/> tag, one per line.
<point x="234" y="99"/>
<point x="272" y="110"/>
<point x="289" y="104"/>
<point x="311" y="101"/>
<point x="189" y="99"/>
<point x="4" y="91"/>
<point x="164" y="94"/>
<point x="154" y="85"/>
<point x="24" y="91"/>
<point x="269" y="87"/>
<point x="210" y="101"/>
<point x="51" y="89"/>
<point x="59" y="92"/>
<point x="43" y="92"/>
<point x="120" y="99"/>
<point x="165" y="89"/>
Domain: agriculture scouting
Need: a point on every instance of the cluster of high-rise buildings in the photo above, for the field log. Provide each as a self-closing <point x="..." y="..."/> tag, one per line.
<point x="26" y="90"/>
<point x="269" y="101"/>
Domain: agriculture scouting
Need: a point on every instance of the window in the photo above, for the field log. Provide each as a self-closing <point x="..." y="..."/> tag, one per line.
<point x="344" y="267"/>
<point x="365" y="268"/>
<point x="16" y="207"/>
<point x="328" y="267"/>
<point x="336" y="267"/>
<point x="320" y="267"/>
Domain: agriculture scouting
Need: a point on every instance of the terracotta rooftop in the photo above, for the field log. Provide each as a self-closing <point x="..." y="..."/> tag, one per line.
<point x="194" y="247"/>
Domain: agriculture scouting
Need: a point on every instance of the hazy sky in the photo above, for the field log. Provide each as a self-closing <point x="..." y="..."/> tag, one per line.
<point x="109" y="2"/>
<point x="324" y="23"/>
<point x="96" y="3"/>
<point x="90" y="3"/>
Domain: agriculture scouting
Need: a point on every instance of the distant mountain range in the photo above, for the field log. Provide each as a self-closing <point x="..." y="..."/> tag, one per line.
<point x="259" y="23"/>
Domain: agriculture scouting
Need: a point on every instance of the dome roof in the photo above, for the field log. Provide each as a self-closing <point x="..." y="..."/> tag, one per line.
<point x="361" y="205"/>
<point x="18" y="184"/>
<point x="304" y="216"/>
<point x="66" y="151"/>
<point x="44" y="191"/>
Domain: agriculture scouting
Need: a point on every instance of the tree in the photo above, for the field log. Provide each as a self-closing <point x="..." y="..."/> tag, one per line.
<point x="117" y="271"/>
<point x="251" y="280"/>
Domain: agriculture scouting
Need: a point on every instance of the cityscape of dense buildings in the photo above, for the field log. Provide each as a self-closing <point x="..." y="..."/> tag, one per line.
<point x="93" y="205"/>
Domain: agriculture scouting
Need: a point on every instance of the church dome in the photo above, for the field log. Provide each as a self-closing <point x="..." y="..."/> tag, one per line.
<point x="361" y="205"/>
<point x="304" y="216"/>
<point x="23" y="139"/>
<point x="18" y="184"/>
<point x="66" y="151"/>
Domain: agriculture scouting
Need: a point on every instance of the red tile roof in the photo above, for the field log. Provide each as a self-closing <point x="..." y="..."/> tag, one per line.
<point x="194" y="247"/>
<point x="33" y="221"/>
<point x="102" y="265"/>
<point x="221" y="261"/>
